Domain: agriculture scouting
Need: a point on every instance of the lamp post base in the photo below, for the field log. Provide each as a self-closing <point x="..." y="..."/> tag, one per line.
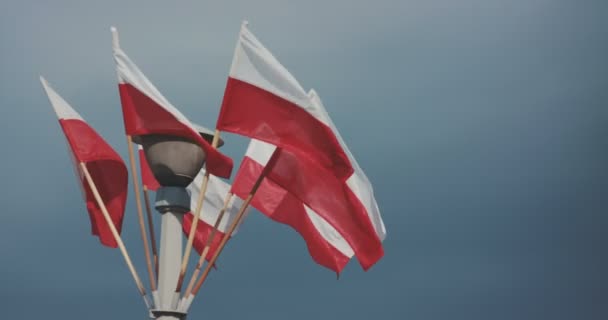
<point x="168" y="315"/>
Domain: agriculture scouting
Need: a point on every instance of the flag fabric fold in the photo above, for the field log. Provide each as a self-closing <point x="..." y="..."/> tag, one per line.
<point x="147" y="111"/>
<point x="297" y="185"/>
<point x="106" y="168"/>
<point x="217" y="191"/>
<point x="147" y="177"/>
<point x="358" y="183"/>
<point x="264" y="101"/>
<point x="325" y="245"/>
<point x="332" y="200"/>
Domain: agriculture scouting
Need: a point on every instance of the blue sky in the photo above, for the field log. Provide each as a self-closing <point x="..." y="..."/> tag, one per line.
<point x="483" y="126"/>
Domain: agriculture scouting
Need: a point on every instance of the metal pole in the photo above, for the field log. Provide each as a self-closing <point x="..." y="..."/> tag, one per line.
<point x="172" y="203"/>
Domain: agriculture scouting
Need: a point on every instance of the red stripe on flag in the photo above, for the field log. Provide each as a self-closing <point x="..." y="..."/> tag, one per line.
<point x="253" y="112"/>
<point x="143" y="115"/>
<point x="108" y="172"/>
<point x="203" y="230"/>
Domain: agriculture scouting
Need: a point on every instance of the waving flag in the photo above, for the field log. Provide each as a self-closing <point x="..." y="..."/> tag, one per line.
<point x="217" y="190"/>
<point x="358" y="183"/>
<point x="105" y="166"/>
<point x="147" y="111"/>
<point x="325" y="245"/>
<point x="300" y="193"/>
<point x="264" y="101"/>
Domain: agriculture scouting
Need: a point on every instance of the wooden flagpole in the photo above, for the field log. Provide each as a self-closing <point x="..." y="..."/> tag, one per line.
<point x="197" y="214"/>
<point x="140" y="215"/>
<point x="151" y="229"/>
<point x="201" y="259"/>
<point x="117" y="237"/>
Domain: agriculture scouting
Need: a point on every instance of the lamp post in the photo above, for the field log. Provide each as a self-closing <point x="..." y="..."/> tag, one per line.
<point x="175" y="162"/>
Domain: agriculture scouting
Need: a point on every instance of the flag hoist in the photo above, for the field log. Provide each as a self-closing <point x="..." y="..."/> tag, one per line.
<point x="297" y="171"/>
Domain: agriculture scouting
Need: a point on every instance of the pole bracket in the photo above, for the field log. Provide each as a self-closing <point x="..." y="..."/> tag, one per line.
<point x="174" y="199"/>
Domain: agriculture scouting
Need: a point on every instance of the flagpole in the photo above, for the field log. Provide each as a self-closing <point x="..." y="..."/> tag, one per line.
<point x="142" y="228"/>
<point x="140" y="215"/>
<point x="151" y="229"/>
<point x="201" y="259"/>
<point x="117" y="237"/>
<point x="197" y="213"/>
<point x="188" y="300"/>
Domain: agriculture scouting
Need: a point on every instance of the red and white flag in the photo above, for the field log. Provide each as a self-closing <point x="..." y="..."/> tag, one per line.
<point x="325" y="245"/>
<point x="217" y="190"/>
<point x="147" y="111"/>
<point x="105" y="166"/>
<point x="264" y="101"/>
<point x="328" y="214"/>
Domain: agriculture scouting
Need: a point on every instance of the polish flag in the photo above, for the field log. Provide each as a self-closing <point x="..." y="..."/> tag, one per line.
<point x="105" y="166"/>
<point x="264" y="101"/>
<point x="147" y="177"/>
<point x="324" y="210"/>
<point x="325" y="245"/>
<point x="147" y="111"/>
<point x="217" y="191"/>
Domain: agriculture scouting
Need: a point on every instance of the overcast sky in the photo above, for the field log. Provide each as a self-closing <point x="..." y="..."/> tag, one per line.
<point x="482" y="124"/>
